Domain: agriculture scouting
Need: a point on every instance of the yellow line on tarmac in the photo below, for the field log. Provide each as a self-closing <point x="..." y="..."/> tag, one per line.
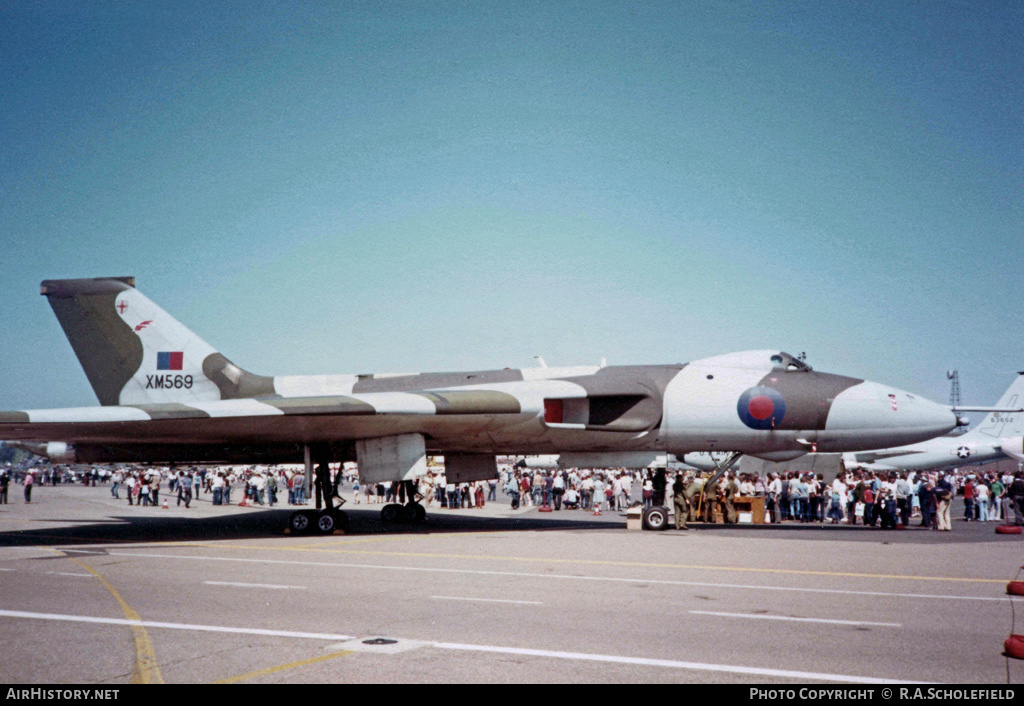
<point x="346" y="542"/>
<point x="145" y="669"/>
<point x="327" y="542"/>
<point x="281" y="668"/>
<point x="335" y="548"/>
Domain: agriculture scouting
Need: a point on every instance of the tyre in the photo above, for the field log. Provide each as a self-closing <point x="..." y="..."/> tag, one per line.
<point x="655" y="518"/>
<point x="325" y="522"/>
<point x="414" y="513"/>
<point x="300" y="522"/>
<point x="391" y="514"/>
<point x="1008" y="529"/>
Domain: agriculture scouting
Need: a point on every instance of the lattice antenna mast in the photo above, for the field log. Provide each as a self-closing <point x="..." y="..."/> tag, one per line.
<point x="954" y="391"/>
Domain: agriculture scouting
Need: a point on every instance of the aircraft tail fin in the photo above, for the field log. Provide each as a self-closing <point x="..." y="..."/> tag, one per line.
<point x="999" y="425"/>
<point x="134" y="352"/>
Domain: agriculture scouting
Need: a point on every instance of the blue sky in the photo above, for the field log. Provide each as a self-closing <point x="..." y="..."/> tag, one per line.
<point x="330" y="187"/>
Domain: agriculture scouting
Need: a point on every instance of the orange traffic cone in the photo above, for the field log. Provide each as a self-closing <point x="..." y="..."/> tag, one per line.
<point x="164" y="506"/>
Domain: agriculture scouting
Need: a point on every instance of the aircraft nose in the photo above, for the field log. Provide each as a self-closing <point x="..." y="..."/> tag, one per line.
<point x="873" y="416"/>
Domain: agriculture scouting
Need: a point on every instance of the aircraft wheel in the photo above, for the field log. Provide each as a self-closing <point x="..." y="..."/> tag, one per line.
<point x="300" y="522"/>
<point x="325" y="522"/>
<point x="391" y="513"/>
<point x="414" y="513"/>
<point x="655" y="518"/>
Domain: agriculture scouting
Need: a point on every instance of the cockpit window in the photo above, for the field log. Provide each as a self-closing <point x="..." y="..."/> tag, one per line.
<point x="785" y="361"/>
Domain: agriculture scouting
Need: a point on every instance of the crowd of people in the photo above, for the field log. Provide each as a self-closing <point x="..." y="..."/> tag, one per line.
<point x="573" y="488"/>
<point x="253" y="486"/>
<point x="891" y="498"/>
<point x="885" y="499"/>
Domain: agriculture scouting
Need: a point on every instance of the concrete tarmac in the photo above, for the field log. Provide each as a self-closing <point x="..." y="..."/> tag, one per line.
<point x="95" y="591"/>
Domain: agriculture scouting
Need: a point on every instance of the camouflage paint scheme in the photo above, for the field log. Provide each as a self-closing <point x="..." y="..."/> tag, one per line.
<point x="168" y="396"/>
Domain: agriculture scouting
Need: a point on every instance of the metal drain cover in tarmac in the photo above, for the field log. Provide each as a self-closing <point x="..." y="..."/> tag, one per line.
<point x="378" y="645"/>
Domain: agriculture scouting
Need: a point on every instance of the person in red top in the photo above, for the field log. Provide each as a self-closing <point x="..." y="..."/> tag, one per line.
<point x="524" y="487"/>
<point x="969" y="499"/>
<point x="869" y="505"/>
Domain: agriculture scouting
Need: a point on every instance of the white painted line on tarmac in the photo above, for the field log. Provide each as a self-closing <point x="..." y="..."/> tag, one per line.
<point x="64" y="573"/>
<point x="253" y="585"/>
<point x="172" y="626"/>
<point x="567" y="577"/>
<point x="485" y="600"/>
<point x="578" y="656"/>
<point x="753" y="616"/>
<point x="674" y="664"/>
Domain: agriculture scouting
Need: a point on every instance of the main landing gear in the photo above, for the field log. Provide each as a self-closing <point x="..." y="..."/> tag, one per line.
<point x="331" y="517"/>
<point x="320" y="521"/>
<point x="411" y="512"/>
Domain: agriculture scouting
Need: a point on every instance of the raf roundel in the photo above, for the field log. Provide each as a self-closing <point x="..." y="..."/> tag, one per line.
<point x="761" y="408"/>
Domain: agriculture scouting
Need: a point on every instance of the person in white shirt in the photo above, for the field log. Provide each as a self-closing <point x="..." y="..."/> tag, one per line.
<point x="746" y="486"/>
<point x="572" y="499"/>
<point x="587" y="496"/>
<point x="838" y="500"/>
<point x="774" y="491"/>
<point x="981" y="498"/>
<point x="258" y="484"/>
<point x="218" y="488"/>
<point x="888" y="494"/>
<point x="648" y="492"/>
<point x="558" y="490"/>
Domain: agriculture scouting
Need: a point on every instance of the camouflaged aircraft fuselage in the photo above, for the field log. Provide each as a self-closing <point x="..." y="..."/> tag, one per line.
<point x="168" y="396"/>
